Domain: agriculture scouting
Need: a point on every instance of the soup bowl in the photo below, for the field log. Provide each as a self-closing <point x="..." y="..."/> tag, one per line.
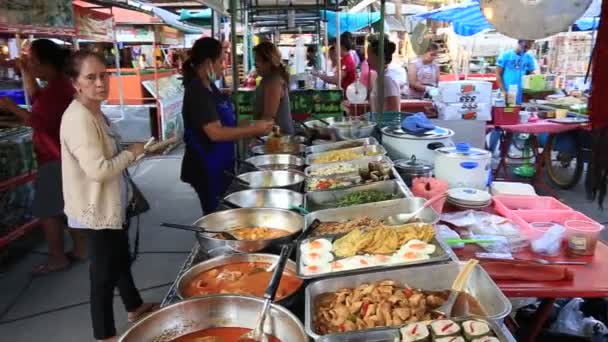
<point x="214" y="311"/>
<point x="207" y="265"/>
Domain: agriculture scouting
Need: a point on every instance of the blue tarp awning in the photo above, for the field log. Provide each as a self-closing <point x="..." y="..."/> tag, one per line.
<point x="349" y="22"/>
<point x="468" y="19"/>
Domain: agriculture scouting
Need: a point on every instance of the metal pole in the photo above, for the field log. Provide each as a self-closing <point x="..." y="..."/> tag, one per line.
<point x="235" y="70"/>
<point x="246" y="42"/>
<point x="26" y="95"/>
<point x="117" y="61"/>
<point x="338" y="48"/>
<point x="380" y="71"/>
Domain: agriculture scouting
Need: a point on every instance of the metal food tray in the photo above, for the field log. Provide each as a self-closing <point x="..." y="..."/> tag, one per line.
<point x="430" y="278"/>
<point x="374" y="210"/>
<point x="336" y="145"/>
<point x="394" y="334"/>
<point x="358" y="163"/>
<point x="379" y="149"/>
<point x="355" y="176"/>
<point x="319" y="200"/>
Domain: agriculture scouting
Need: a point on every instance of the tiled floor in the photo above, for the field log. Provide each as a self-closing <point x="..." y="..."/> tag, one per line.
<point x="55" y="308"/>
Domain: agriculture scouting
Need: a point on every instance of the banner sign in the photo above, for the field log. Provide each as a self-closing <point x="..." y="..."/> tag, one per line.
<point x="37" y="16"/>
<point x="133" y="34"/>
<point x="93" y="25"/>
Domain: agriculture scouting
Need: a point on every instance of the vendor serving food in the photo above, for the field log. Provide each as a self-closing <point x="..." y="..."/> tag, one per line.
<point x="210" y="125"/>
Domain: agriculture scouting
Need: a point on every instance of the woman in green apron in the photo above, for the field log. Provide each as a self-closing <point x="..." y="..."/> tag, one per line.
<point x="210" y="125"/>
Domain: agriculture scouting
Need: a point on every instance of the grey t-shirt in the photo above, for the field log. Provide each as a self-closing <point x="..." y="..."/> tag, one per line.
<point x="283" y="115"/>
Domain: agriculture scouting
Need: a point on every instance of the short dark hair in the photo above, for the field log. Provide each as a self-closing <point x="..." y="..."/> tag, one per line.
<point x="75" y="62"/>
<point x="49" y="53"/>
<point x="346" y="41"/>
<point x="433" y="47"/>
<point x="389" y="48"/>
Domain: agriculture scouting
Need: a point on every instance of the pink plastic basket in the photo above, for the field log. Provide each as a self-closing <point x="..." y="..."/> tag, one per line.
<point x="507" y="205"/>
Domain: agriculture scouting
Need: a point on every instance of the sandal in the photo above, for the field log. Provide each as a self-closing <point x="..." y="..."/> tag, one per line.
<point x="44" y="269"/>
<point x="144" y="310"/>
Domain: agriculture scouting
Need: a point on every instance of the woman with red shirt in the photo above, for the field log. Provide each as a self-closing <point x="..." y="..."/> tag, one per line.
<point x="349" y="69"/>
<point x="46" y="61"/>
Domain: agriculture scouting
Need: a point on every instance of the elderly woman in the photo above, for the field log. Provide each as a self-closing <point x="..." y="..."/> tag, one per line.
<point x="97" y="192"/>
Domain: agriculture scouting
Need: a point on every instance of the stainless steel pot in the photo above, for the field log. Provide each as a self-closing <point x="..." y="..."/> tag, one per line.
<point x="265" y="198"/>
<point x="268" y="179"/>
<point x="210" y="264"/>
<point x="277" y="162"/>
<point x="348" y="130"/>
<point x="249" y="217"/>
<point x="321" y="128"/>
<point x="295" y="149"/>
<point x="214" y="311"/>
<point x="297" y="139"/>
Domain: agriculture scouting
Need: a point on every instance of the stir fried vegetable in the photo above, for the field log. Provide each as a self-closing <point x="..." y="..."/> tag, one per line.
<point x="362" y="197"/>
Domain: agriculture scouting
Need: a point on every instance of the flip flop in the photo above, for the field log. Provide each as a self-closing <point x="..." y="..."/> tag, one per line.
<point x="148" y="309"/>
<point x="44" y="269"/>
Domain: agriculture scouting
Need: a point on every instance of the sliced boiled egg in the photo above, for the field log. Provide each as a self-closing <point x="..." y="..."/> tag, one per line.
<point x="380" y="259"/>
<point x="316" y="269"/>
<point x="318" y="245"/>
<point x="316" y="258"/>
<point x="337" y="266"/>
<point x="358" y="261"/>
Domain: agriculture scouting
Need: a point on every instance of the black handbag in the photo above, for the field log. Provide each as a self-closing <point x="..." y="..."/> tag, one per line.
<point x="138" y="204"/>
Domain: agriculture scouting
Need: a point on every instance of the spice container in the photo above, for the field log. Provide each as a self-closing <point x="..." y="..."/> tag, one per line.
<point x="582" y="236"/>
<point x="412" y="168"/>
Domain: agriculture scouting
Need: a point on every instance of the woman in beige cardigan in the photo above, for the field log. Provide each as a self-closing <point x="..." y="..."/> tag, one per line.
<point x="96" y="192"/>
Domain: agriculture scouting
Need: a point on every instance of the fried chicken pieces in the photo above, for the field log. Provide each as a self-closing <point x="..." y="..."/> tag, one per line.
<point x="373" y="305"/>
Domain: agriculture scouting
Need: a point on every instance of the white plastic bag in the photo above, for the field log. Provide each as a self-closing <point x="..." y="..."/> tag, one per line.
<point x="570" y="318"/>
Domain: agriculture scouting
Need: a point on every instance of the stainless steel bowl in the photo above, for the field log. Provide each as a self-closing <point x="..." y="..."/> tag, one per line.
<point x="297" y="139"/>
<point x="214" y="311"/>
<point x="210" y="264"/>
<point x="277" y="162"/>
<point x="295" y="149"/>
<point x="249" y="217"/>
<point x="321" y="128"/>
<point x="268" y="179"/>
<point x="265" y="198"/>
<point x="347" y="130"/>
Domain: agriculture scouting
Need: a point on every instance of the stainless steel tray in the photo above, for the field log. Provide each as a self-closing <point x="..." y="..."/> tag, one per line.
<point x="373" y="148"/>
<point x="318" y="200"/>
<point x="337" y="145"/>
<point x="394" y="334"/>
<point x="431" y="277"/>
<point x="373" y="210"/>
<point x="354" y="176"/>
<point x="358" y="163"/>
<point x="376" y="210"/>
<point x="382" y="335"/>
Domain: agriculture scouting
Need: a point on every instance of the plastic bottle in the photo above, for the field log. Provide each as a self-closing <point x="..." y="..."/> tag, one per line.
<point x="512" y="95"/>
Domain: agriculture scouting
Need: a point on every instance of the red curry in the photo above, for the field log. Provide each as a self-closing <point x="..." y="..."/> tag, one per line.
<point x="249" y="278"/>
<point x="218" y="335"/>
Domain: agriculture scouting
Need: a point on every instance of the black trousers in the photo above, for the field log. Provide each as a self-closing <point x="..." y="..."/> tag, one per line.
<point x="110" y="268"/>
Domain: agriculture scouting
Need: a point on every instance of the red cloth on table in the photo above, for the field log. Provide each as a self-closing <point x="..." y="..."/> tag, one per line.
<point x="540" y="126"/>
<point x="526" y="271"/>
<point x="349" y="71"/>
<point x="48" y="105"/>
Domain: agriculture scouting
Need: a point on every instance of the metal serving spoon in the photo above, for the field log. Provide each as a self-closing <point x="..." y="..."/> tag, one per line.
<point x="225" y="233"/>
<point x="457" y="288"/>
<point x="399" y="219"/>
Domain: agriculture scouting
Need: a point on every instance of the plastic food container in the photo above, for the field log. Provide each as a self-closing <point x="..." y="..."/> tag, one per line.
<point x="582" y="236"/>
<point x="524" y="218"/>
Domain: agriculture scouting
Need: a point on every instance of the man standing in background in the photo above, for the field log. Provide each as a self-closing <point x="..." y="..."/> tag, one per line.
<point x="513" y="65"/>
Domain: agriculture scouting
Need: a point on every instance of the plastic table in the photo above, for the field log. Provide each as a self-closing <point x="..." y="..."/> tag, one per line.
<point x="590" y="281"/>
<point x="532" y="128"/>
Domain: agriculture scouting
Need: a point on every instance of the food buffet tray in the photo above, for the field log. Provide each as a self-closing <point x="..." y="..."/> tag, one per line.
<point x="358" y="163"/>
<point x="376" y="210"/>
<point x="319" y="200"/>
<point x="431" y="277"/>
<point x="377" y="149"/>
<point x="394" y="335"/>
<point x="338" y="145"/>
<point x="354" y="177"/>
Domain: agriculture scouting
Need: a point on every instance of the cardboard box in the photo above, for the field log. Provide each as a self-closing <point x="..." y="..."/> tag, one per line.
<point x="464" y="111"/>
<point x="465" y="92"/>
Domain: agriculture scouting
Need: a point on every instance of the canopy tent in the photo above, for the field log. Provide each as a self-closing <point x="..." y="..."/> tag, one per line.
<point x="349" y="22"/>
<point x="467" y="18"/>
<point x="200" y="18"/>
